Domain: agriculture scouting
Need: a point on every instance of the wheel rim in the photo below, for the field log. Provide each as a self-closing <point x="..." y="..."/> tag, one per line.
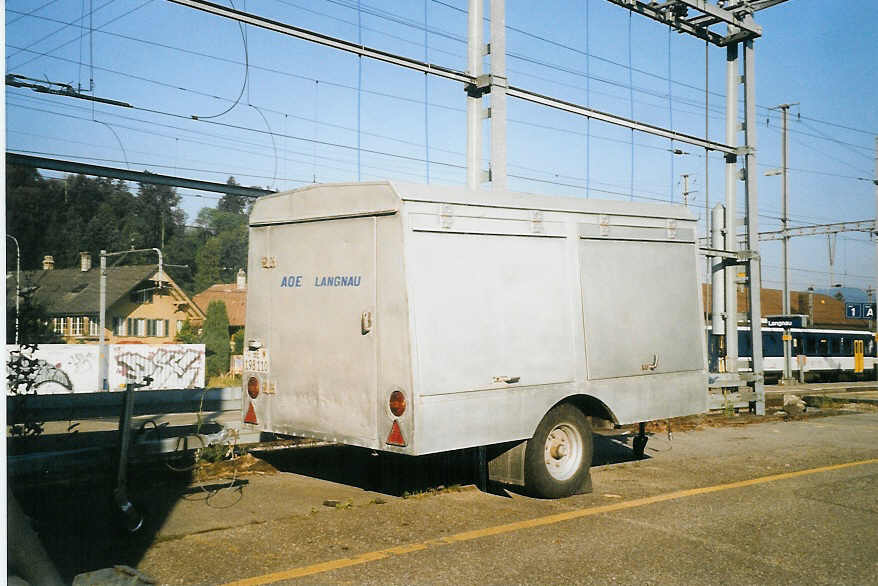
<point x="563" y="451"/>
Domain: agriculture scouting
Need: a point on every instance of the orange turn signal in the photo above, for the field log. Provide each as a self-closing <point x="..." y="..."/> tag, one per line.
<point x="253" y="387"/>
<point x="397" y="403"/>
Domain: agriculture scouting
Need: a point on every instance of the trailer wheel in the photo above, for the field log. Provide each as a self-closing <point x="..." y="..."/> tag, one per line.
<point x="558" y="457"/>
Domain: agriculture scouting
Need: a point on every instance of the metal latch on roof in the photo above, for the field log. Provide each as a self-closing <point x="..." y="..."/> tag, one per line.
<point x="446" y="216"/>
<point x="605" y="225"/>
<point x="536" y="222"/>
<point x="672" y="228"/>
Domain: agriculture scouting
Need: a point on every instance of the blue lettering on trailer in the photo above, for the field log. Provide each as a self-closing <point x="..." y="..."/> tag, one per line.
<point x="291" y="281"/>
<point x="337" y="281"/>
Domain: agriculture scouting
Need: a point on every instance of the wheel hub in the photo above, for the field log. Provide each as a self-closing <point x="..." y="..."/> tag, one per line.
<point x="563" y="451"/>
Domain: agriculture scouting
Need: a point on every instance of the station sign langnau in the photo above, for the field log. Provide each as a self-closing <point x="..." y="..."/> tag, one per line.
<point x="785" y="321"/>
<point x="859" y="310"/>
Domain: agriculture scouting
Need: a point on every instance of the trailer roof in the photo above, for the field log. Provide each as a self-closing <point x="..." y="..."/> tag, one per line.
<point x="333" y="200"/>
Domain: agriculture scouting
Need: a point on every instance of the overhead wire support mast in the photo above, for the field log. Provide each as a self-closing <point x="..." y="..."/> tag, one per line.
<point x="741" y="30"/>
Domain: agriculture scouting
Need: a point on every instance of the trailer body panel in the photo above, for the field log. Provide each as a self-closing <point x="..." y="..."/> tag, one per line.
<point x="483" y="309"/>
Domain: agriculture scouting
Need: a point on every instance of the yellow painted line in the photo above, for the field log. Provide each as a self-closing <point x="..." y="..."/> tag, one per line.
<point x="531" y="523"/>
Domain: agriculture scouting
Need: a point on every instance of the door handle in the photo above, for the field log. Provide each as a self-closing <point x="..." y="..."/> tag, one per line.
<point x="366" y="322"/>
<point x="507" y="379"/>
<point x="650" y="366"/>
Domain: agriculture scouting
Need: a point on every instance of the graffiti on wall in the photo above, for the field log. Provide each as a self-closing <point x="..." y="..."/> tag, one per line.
<point x="74" y="368"/>
<point x="170" y="366"/>
<point x="62" y="368"/>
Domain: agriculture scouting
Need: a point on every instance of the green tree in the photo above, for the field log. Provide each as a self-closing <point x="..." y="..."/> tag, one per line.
<point x="238" y="342"/>
<point x="62" y="217"/>
<point x="225" y="250"/>
<point x="160" y="217"/>
<point x="188" y="334"/>
<point x="33" y="323"/>
<point x="236" y="204"/>
<point x="216" y="338"/>
<point x="183" y="250"/>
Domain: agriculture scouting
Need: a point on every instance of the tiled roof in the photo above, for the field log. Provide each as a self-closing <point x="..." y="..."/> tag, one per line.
<point x="72" y="291"/>
<point x="234" y="298"/>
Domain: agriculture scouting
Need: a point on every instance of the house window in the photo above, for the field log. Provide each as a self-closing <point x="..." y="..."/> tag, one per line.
<point x="136" y="326"/>
<point x="156" y="327"/>
<point x="59" y="324"/>
<point x="76" y="324"/>
<point x="180" y="323"/>
<point x="94" y="326"/>
<point x="118" y="326"/>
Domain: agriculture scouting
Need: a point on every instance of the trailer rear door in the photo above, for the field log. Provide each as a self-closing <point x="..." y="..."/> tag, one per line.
<point x="322" y="328"/>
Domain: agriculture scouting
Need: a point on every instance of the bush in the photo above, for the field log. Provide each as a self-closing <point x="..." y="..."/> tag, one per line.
<point x="216" y="338"/>
<point x="238" y="342"/>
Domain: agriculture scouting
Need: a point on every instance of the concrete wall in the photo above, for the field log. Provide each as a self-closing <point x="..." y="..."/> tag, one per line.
<point x="73" y="368"/>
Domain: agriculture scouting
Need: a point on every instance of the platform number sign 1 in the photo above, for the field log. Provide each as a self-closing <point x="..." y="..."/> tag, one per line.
<point x="859" y="310"/>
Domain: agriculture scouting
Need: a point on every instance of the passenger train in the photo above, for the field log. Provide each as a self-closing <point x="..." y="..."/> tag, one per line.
<point x="826" y="354"/>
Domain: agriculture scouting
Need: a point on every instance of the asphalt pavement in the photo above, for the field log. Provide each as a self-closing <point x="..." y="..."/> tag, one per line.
<point x="780" y="501"/>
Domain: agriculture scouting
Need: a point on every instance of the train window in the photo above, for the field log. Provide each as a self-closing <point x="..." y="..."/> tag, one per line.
<point x="870" y="347"/>
<point x="745" y="349"/>
<point x="834" y="349"/>
<point x="810" y="345"/>
<point x="797" y="345"/>
<point x="823" y="347"/>
<point x="772" y="344"/>
<point x="846" y="347"/>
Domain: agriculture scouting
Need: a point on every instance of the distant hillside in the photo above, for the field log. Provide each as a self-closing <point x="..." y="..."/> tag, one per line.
<point x="851" y="294"/>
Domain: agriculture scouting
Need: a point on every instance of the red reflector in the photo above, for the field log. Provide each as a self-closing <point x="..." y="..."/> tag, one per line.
<point x="395" y="438"/>
<point x="251" y="416"/>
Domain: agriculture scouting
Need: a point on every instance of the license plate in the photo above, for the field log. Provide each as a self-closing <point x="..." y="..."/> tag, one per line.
<point x="256" y="361"/>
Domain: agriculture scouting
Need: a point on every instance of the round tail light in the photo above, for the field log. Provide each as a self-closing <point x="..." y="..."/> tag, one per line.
<point x="397" y="403"/>
<point x="253" y="387"/>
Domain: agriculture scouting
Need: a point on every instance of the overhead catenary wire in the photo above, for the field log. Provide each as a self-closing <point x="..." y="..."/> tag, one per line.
<point x="243" y="83"/>
<point x="29" y="13"/>
<point x="65" y="26"/>
<point x="256" y="130"/>
<point x="50" y="51"/>
<point x="568" y="70"/>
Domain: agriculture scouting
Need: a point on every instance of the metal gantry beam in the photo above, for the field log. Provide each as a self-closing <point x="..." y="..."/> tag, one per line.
<point x="813" y="230"/>
<point x="128" y="175"/>
<point x="675" y="13"/>
<point x="717" y="14"/>
<point x="861" y="226"/>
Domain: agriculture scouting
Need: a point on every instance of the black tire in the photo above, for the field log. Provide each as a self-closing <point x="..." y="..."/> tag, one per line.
<point x="558" y="457"/>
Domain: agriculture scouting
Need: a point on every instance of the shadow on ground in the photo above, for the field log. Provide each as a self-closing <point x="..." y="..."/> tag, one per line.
<point x="398" y="475"/>
<point x="75" y="518"/>
<point x="73" y="513"/>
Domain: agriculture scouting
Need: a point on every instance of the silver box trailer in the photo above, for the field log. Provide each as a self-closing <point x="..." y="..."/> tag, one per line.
<point x="420" y="318"/>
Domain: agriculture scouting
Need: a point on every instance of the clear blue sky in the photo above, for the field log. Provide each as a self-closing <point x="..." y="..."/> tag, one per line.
<point x="297" y="116"/>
